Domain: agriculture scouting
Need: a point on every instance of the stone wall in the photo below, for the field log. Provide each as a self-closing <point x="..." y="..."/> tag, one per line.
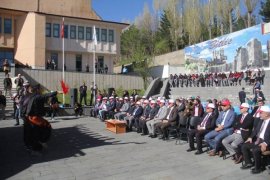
<point x="51" y="79"/>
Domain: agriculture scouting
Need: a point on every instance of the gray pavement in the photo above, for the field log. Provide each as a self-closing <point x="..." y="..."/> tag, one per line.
<point x="82" y="149"/>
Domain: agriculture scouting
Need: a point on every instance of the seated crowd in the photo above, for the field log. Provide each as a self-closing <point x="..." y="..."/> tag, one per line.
<point x="216" y="79"/>
<point x="244" y="136"/>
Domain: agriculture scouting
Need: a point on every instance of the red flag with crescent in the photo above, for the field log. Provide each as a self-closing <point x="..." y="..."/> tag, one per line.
<point x="65" y="87"/>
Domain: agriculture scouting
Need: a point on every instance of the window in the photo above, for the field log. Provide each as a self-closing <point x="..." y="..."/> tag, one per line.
<point x="72" y="32"/>
<point x="97" y="34"/>
<point x="88" y="33"/>
<point x="7" y="26"/>
<point x="48" y="29"/>
<point x="111" y="35"/>
<point x="80" y="32"/>
<point x="56" y="30"/>
<point x="66" y="31"/>
<point x="104" y="35"/>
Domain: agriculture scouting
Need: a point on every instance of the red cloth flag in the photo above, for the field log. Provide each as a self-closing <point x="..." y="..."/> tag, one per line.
<point x="63" y="29"/>
<point x="65" y="87"/>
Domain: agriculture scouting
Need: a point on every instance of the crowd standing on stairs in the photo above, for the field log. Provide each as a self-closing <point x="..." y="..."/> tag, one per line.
<point x="217" y="79"/>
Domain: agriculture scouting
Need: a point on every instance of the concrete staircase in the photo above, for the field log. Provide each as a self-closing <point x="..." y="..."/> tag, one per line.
<point x="9" y="107"/>
<point x="230" y="92"/>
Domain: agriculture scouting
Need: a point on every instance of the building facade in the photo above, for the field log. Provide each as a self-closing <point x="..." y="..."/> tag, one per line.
<point x="30" y="34"/>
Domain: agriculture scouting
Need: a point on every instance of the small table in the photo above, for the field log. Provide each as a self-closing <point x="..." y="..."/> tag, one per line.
<point x="116" y="126"/>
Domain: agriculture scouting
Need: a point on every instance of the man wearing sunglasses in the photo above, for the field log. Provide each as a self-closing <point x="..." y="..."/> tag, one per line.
<point x="223" y="128"/>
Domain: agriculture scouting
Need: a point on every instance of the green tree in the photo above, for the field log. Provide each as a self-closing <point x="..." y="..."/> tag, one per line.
<point x="265" y="11"/>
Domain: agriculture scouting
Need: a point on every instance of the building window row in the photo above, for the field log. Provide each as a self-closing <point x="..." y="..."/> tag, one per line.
<point x="79" y="32"/>
<point x="7" y="25"/>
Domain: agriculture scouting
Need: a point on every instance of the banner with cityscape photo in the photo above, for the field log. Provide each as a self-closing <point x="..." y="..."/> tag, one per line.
<point x="238" y="51"/>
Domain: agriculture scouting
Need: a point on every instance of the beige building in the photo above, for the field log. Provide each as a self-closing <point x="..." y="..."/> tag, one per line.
<point x="30" y="34"/>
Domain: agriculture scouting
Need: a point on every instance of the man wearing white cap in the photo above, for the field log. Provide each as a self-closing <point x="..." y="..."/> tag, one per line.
<point x="258" y="142"/>
<point x="158" y="118"/>
<point x="130" y="120"/>
<point x="153" y="112"/>
<point x="123" y="110"/>
<point x="206" y="124"/>
<point x="242" y="127"/>
<point x="170" y="120"/>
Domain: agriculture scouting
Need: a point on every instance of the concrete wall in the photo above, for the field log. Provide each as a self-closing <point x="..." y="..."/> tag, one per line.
<point x="51" y="79"/>
<point x="173" y="58"/>
<point x="78" y="8"/>
<point x="30" y="33"/>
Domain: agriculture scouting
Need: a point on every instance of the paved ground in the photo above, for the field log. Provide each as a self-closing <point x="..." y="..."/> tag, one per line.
<point x="83" y="149"/>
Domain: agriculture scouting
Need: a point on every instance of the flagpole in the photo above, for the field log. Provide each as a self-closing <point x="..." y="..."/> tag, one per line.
<point x="94" y="60"/>
<point x="63" y="52"/>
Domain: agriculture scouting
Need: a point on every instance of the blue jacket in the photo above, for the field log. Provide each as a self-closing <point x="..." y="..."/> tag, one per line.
<point x="228" y="121"/>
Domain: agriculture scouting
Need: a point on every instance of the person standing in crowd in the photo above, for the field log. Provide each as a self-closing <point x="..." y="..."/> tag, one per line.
<point x="16" y="100"/>
<point x="19" y="83"/>
<point x="258" y="95"/>
<point x="223" y="128"/>
<point x="6" y="66"/>
<point x="262" y="76"/>
<point x="106" y="69"/>
<point x="8" y="85"/>
<point x="257" y="143"/>
<point x="49" y="64"/>
<point x="83" y="93"/>
<point x="3" y="103"/>
<point x="54" y="105"/>
<point x="242" y="127"/>
<point x="38" y="130"/>
<point x="93" y="94"/>
<point x="134" y="94"/>
<point x="242" y="96"/>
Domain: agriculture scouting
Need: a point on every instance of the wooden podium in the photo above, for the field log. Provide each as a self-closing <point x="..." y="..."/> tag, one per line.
<point x="116" y="126"/>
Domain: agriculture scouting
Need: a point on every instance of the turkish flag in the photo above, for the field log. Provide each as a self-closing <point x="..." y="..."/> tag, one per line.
<point x="65" y="87"/>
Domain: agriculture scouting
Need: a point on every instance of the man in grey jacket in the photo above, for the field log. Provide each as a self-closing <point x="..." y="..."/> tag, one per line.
<point x="123" y="110"/>
<point x="158" y="118"/>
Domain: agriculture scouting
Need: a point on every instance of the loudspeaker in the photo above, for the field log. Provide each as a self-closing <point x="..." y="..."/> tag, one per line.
<point x="73" y="96"/>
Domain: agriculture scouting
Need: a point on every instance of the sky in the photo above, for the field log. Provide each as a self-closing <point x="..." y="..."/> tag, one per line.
<point x="119" y="10"/>
<point x="236" y="39"/>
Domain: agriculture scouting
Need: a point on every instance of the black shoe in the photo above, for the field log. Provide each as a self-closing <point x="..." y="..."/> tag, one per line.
<point x="191" y="149"/>
<point x="161" y="137"/>
<point x="256" y="171"/>
<point x="198" y="152"/>
<point x="143" y="134"/>
<point x="246" y="166"/>
<point x="154" y="136"/>
<point x="17" y="124"/>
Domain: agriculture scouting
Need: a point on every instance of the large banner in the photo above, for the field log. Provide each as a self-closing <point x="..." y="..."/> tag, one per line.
<point x="238" y="51"/>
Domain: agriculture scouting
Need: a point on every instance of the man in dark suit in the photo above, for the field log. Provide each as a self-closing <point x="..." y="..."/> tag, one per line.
<point x="223" y="128"/>
<point x="242" y="129"/>
<point x="136" y="114"/>
<point x="256" y="113"/>
<point x="153" y="112"/>
<point x="242" y="96"/>
<point x="258" y="142"/>
<point x="171" y="120"/>
<point x="207" y="124"/>
<point x="83" y="93"/>
<point x="258" y="95"/>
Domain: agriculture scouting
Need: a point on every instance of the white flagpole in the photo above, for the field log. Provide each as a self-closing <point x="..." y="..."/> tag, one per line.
<point x="63" y="52"/>
<point x="94" y="60"/>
